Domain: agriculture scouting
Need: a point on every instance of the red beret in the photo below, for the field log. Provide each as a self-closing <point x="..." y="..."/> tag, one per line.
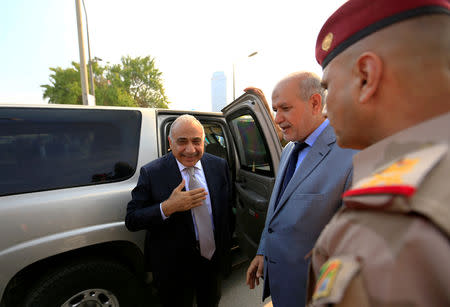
<point x="357" y="19"/>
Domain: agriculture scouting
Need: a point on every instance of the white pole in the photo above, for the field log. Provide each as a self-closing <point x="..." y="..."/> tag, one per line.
<point x="91" y="74"/>
<point x="83" y="72"/>
<point x="234" y="90"/>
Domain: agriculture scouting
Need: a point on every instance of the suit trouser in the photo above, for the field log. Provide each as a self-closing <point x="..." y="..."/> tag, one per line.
<point x="202" y="281"/>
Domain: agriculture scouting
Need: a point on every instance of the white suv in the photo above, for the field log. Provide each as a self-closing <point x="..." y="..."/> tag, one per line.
<point x="66" y="175"/>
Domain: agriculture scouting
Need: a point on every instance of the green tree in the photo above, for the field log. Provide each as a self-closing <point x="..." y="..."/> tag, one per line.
<point x="141" y="79"/>
<point x="136" y="82"/>
<point x="65" y="85"/>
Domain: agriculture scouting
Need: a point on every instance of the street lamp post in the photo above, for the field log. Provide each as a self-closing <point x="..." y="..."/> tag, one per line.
<point x="234" y="91"/>
<point x="88" y="99"/>
<point x="234" y="78"/>
<point x="91" y="74"/>
<point x="83" y="73"/>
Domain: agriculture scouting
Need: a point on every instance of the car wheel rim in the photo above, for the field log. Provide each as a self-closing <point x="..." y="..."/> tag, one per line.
<point x="92" y="298"/>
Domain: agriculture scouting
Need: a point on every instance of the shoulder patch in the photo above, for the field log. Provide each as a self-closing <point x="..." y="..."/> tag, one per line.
<point x="335" y="275"/>
<point x="327" y="276"/>
<point x="399" y="177"/>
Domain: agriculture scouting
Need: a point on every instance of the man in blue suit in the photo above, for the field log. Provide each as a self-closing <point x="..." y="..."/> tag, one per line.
<point x="313" y="174"/>
<point x="183" y="200"/>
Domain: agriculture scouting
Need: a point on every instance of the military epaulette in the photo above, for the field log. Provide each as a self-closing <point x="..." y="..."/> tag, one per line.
<point x="401" y="177"/>
<point x="334" y="278"/>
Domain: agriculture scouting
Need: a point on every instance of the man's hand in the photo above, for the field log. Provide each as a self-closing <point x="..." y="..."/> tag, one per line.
<point x="255" y="271"/>
<point x="183" y="200"/>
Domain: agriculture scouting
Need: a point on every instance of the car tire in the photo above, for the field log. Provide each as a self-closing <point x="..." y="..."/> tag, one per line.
<point x="91" y="283"/>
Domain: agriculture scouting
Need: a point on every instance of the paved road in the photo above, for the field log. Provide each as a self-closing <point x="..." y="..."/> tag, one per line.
<point x="235" y="293"/>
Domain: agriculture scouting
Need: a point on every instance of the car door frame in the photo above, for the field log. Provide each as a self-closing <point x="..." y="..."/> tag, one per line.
<point x="253" y="189"/>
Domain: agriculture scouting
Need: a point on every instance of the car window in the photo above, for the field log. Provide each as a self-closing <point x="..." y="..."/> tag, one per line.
<point x="43" y="149"/>
<point x="251" y="146"/>
<point x="215" y="140"/>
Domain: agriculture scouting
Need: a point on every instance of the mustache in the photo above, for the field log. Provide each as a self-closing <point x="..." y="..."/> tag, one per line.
<point x="191" y="155"/>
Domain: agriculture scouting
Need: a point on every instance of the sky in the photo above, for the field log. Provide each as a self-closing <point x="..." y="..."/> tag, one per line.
<point x="189" y="40"/>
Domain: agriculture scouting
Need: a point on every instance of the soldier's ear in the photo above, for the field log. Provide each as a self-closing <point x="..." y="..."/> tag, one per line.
<point x="369" y="69"/>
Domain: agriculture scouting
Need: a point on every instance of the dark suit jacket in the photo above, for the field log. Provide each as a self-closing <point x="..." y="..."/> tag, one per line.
<point x="171" y="244"/>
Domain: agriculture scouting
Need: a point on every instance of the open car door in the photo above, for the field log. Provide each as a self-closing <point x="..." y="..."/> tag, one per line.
<point x="258" y="152"/>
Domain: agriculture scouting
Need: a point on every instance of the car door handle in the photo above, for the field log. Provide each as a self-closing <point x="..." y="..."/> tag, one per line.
<point x="241" y="182"/>
<point x="250" y="197"/>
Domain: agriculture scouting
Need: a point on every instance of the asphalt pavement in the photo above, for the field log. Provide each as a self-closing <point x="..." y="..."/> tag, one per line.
<point x="235" y="293"/>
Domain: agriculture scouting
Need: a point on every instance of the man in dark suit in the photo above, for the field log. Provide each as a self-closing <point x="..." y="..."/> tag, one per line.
<point x="312" y="175"/>
<point x="183" y="201"/>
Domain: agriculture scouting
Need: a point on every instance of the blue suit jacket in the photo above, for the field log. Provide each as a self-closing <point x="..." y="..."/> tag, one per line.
<point x="171" y="243"/>
<point x="310" y="200"/>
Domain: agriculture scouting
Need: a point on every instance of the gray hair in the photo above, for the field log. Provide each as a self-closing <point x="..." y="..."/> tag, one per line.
<point x="309" y="84"/>
<point x="185" y="118"/>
